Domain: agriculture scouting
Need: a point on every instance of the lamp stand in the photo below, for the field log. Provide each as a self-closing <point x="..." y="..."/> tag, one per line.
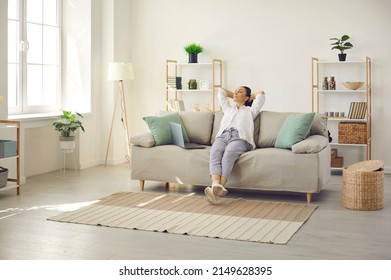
<point x="120" y="94"/>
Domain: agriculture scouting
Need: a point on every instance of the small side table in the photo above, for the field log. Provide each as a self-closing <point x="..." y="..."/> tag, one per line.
<point x="363" y="185"/>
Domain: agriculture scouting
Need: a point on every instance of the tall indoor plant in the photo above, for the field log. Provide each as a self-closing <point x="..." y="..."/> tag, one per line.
<point x="193" y="50"/>
<point x="341" y="44"/>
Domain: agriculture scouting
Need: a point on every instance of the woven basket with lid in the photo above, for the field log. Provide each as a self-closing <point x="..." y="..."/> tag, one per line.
<point x="363" y="185"/>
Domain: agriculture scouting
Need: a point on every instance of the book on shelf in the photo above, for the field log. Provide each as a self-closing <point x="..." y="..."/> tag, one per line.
<point x="174" y="82"/>
<point x="179" y="105"/>
<point x="357" y="110"/>
<point x="176" y="105"/>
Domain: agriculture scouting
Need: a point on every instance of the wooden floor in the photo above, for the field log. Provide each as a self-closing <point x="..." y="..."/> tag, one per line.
<point x="332" y="232"/>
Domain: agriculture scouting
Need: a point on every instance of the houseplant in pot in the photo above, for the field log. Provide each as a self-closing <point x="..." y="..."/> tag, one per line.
<point x="341" y="44"/>
<point x="193" y="50"/>
<point x="68" y="126"/>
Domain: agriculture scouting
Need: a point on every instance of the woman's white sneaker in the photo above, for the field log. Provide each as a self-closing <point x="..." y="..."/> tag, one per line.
<point x="219" y="189"/>
<point x="210" y="196"/>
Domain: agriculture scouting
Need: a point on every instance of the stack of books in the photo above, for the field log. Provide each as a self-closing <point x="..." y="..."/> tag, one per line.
<point x="171" y="82"/>
<point x="174" y="82"/>
<point x="357" y="110"/>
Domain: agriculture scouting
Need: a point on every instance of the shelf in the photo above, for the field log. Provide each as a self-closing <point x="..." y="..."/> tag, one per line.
<point x="194" y="64"/>
<point x="353" y="145"/>
<point x="9" y="157"/>
<point x="9" y="186"/>
<point x="336" y="168"/>
<point x="190" y="90"/>
<point x="346" y="119"/>
<point x="340" y="62"/>
<point x="342" y="91"/>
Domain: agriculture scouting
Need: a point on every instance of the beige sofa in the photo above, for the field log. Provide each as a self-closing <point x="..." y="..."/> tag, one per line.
<point x="305" y="168"/>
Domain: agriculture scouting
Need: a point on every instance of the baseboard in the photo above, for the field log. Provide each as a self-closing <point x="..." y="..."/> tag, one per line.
<point x="89" y="164"/>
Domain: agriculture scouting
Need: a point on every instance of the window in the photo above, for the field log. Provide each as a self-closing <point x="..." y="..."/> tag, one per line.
<point x="34" y="69"/>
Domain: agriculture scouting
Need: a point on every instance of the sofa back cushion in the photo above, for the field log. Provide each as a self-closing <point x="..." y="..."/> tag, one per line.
<point x="272" y="122"/>
<point x="198" y="126"/>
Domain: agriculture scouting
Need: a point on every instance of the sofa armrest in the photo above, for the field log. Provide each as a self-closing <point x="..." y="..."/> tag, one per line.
<point x="311" y="145"/>
<point x="144" y="140"/>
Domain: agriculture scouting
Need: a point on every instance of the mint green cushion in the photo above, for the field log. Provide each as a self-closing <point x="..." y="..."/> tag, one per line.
<point x="295" y="129"/>
<point x="160" y="128"/>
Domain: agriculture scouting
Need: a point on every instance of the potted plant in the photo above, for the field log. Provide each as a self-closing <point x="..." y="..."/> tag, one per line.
<point x="68" y="126"/>
<point x="341" y="44"/>
<point x="193" y="50"/>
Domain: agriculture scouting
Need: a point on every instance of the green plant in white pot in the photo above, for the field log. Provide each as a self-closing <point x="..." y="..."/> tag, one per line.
<point x="68" y="126"/>
<point x="341" y="44"/>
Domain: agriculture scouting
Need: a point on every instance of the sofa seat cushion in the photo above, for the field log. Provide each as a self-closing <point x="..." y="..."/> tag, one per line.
<point x="281" y="170"/>
<point x="267" y="168"/>
<point x="170" y="163"/>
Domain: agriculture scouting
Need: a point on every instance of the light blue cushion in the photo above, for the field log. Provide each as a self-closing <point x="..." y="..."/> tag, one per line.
<point x="160" y="128"/>
<point x="295" y="129"/>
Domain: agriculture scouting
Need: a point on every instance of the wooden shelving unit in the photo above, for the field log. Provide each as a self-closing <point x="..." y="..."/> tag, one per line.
<point x="212" y="72"/>
<point x="14" y="182"/>
<point x="340" y="98"/>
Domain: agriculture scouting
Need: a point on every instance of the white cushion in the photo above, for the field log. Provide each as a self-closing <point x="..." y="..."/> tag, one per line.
<point x="311" y="145"/>
<point x="144" y="140"/>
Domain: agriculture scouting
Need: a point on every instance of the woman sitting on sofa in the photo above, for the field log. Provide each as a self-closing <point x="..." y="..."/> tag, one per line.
<point x="235" y="136"/>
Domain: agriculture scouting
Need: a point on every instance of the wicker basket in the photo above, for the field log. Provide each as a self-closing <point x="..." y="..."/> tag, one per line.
<point x="352" y="133"/>
<point x="3" y="176"/>
<point x="363" y="186"/>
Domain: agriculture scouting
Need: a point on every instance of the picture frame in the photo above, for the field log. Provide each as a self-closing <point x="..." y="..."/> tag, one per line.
<point x="204" y="84"/>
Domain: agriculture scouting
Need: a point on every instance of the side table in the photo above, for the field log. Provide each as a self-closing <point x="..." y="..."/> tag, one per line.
<point x="363" y="185"/>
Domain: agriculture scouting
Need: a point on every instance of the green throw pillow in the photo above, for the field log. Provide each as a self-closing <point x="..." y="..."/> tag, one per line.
<point x="160" y="128"/>
<point x="294" y="129"/>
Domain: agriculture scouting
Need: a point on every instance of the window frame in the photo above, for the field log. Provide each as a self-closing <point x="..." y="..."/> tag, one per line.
<point x="22" y="106"/>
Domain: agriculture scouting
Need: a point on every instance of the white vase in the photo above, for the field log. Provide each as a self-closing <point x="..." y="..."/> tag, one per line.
<point x="67" y="143"/>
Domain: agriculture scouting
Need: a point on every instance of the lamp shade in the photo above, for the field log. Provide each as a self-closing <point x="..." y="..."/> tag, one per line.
<point x="119" y="71"/>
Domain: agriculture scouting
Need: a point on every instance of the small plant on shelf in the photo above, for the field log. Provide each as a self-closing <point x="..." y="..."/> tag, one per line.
<point x="341" y="44"/>
<point x="193" y="50"/>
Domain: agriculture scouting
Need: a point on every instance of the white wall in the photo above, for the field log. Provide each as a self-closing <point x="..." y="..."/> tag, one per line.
<point x="264" y="44"/>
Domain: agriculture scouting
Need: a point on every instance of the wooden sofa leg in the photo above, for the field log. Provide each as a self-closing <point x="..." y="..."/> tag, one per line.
<point x="309" y="197"/>
<point x="142" y="182"/>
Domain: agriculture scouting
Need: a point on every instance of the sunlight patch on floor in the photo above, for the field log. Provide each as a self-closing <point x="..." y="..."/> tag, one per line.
<point x="9" y="212"/>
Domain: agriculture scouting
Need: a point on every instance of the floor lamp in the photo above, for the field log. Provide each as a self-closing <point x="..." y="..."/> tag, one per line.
<point x="120" y="71"/>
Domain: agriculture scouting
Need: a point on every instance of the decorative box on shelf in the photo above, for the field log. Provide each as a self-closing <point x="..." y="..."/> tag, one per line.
<point x="7" y="148"/>
<point x="352" y="133"/>
<point x="336" y="161"/>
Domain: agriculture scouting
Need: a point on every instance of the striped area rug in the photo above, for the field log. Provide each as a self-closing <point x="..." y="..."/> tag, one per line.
<point x="236" y="219"/>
